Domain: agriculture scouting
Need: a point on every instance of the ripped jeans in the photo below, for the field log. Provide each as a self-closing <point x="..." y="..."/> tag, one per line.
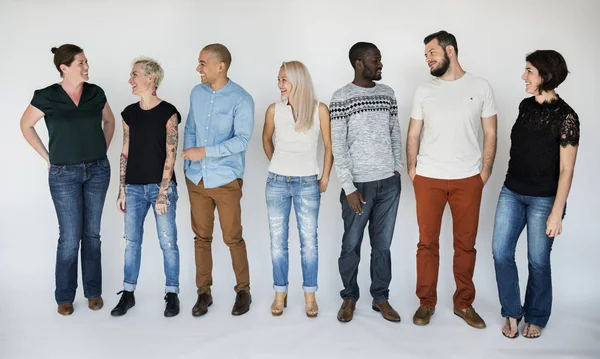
<point x="138" y="199"/>
<point x="304" y="192"/>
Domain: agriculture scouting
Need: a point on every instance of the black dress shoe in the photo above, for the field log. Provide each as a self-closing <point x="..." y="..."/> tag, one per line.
<point x="125" y="303"/>
<point x="242" y="303"/>
<point x="171" y="305"/>
<point x="201" y="307"/>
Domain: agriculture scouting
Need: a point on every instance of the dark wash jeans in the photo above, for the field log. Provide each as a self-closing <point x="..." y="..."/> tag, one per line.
<point x="78" y="192"/>
<point x="379" y="212"/>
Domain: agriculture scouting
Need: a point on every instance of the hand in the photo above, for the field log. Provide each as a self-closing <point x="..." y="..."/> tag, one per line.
<point x="194" y="153"/>
<point x="397" y="173"/>
<point x="323" y="182"/>
<point x="412" y="172"/>
<point x="162" y="203"/>
<point x="121" y="201"/>
<point x="554" y="225"/>
<point x="485" y="176"/>
<point x="48" y="164"/>
<point x="356" y="200"/>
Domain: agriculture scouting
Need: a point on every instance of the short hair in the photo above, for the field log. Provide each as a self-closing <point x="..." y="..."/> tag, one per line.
<point x="551" y="67"/>
<point x="221" y="52"/>
<point x="359" y="50"/>
<point x="151" y="67"/>
<point x="65" y="55"/>
<point x="444" y="38"/>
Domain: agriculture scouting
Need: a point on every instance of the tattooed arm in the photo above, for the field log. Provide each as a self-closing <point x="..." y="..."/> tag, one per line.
<point x="123" y="168"/>
<point x="172" y="139"/>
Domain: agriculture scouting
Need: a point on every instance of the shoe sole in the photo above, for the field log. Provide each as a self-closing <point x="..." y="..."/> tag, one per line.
<point x="121" y="314"/>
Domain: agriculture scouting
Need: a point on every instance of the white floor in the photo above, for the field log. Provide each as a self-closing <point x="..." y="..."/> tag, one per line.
<point x="31" y="328"/>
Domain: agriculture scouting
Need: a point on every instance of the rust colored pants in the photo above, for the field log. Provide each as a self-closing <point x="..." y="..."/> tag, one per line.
<point x="226" y="199"/>
<point x="464" y="197"/>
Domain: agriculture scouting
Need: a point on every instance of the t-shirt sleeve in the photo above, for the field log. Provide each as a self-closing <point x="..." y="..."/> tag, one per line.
<point x="489" y="103"/>
<point x="569" y="130"/>
<point x="170" y="112"/>
<point x="41" y="100"/>
<point x="126" y="114"/>
<point x="417" y="107"/>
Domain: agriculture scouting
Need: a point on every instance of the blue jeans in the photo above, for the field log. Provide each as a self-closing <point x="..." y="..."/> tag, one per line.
<point x="304" y="192"/>
<point x="514" y="211"/>
<point x="78" y="192"/>
<point x="380" y="212"/>
<point x="138" y="199"/>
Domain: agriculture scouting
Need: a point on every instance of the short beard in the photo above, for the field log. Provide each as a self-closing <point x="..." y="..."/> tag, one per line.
<point x="440" y="71"/>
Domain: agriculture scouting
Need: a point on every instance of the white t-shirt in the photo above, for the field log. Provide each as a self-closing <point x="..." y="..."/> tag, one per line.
<point x="451" y="140"/>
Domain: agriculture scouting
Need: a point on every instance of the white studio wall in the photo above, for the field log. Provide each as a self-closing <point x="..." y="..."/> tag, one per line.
<point x="494" y="38"/>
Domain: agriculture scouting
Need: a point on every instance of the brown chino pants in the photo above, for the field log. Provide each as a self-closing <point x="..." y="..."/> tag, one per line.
<point x="227" y="201"/>
<point x="464" y="197"/>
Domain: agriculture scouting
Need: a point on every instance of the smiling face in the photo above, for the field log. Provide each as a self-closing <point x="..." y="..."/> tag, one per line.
<point x="532" y="79"/>
<point x="284" y="84"/>
<point x="209" y="66"/>
<point x="139" y="81"/>
<point x="78" y="70"/>
<point x="437" y="59"/>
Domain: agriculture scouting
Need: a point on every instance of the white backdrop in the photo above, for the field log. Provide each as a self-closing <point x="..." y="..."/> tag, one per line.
<point x="493" y="39"/>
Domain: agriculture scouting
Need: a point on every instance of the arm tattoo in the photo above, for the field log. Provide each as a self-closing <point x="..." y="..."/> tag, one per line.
<point x="171" y="146"/>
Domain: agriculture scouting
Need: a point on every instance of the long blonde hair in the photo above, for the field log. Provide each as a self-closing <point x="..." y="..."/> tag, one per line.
<point x="303" y="94"/>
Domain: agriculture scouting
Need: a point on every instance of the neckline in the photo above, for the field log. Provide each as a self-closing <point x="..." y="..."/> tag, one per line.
<point x="69" y="97"/>
<point x="139" y="105"/>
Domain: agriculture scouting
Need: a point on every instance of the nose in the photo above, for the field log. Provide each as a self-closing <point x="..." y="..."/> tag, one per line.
<point x="130" y="81"/>
<point x="198" y="68"/>
<point x="524" y="76"/>
<point x="86" y="66"/>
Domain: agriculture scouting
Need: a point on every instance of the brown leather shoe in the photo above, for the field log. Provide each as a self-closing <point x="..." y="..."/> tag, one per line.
<point x="346" y="312"/>
<point x="471" y="317"/>
<point x="242" y="303"/>
<point x="386" y="310"/>
<point x="423" y="315"/>
<point x="65" y="309"/>
<point x="95" y="303"/>
<point x="201" y="307"/>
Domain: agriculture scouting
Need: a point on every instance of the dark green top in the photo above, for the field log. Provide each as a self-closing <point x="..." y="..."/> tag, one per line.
<point x="75" y="132"/>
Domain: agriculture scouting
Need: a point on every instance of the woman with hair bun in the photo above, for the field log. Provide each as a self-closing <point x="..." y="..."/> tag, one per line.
<point x="80" y="127"/>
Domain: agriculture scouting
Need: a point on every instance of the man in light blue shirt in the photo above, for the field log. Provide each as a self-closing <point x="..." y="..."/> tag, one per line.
<point x="218" y="129"/>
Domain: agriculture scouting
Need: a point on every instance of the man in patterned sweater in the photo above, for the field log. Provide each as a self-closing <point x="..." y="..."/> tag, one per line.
<point x="367" y="149"/>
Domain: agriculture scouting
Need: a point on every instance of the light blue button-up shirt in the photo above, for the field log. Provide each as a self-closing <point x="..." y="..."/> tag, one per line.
<point x="222" y="121"/>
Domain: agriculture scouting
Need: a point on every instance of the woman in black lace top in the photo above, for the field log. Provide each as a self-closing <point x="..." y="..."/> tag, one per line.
<point x="544" y="142"/>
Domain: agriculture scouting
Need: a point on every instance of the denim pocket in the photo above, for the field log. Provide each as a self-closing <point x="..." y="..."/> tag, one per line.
<point x="55" y="170"/>
<point x="104" y="163"/>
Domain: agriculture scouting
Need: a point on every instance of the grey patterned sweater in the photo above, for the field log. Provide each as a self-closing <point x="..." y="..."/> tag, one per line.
<point x="365" y="134"/>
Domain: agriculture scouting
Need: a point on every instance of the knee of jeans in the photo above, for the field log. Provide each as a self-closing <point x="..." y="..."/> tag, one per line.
<point x="502" y="255"/>
<point x="539" y="262"/>
<point x="277" y="226"/>
<point x="278" y="250"/>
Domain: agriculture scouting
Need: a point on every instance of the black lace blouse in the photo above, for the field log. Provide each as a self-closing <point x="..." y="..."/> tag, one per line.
<point x="536" y="138"/>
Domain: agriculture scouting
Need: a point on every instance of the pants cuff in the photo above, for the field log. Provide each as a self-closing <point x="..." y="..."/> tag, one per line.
<point x="280" y="288"/>
<point x="310" y="289"/>
<point x="129" y="287"/>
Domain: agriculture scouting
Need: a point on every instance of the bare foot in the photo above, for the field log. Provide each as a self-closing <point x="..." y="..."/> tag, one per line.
<point x="532" y="331"/>
<point x="511" y="328"/>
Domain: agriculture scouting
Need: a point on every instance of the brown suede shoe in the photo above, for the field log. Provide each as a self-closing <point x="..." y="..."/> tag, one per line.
<point x="65" y="309"/>
<point x="242" y="303"/>
<point x="423" y="315"/>
<point x="346" y="312"/>
<point x="201" y="307"/>
<point x="471" y="317"/>
<point x="386" y="310"/>
<point x="95" y="303"/>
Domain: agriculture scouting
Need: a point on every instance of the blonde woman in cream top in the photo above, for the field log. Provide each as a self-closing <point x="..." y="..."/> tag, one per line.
<point x="290" y="140"/>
